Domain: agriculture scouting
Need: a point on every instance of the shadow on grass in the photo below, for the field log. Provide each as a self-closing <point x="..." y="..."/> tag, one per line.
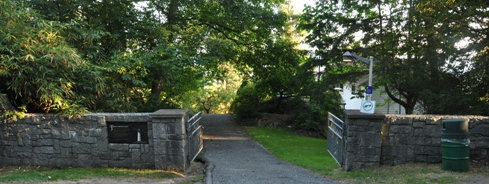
<point x="312" y="154"/>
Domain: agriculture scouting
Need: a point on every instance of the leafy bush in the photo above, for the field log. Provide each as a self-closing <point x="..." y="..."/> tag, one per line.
<point x="247" y="104"/>
<point x="37" y="67"/>
<point x="310" y="117"/>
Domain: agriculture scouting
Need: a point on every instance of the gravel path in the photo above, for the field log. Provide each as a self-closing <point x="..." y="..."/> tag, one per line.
<point x="238" y="159"/>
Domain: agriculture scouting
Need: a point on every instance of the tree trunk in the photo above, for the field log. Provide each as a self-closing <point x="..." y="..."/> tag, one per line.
<point x="156" y="89"/>
<point x="408" y="104"/>
<point x="170" y="12"/>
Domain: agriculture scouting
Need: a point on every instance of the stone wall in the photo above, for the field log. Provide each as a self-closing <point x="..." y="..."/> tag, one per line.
<point x="48" y="140"/>
<point x="417" y="138"/>
<point x="372" y="140"/>
<point x="170" y="139"/>
<point x="362" y="140"/>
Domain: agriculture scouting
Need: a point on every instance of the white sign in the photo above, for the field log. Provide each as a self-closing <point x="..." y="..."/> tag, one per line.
<point x="367" y="107"/>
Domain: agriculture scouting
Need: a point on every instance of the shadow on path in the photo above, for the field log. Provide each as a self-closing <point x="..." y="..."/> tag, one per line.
<point x="239" y="159"/>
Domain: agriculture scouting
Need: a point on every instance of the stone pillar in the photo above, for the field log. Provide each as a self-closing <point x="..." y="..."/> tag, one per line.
<point x="169" y="139"/>
<point x="362" y="139"/>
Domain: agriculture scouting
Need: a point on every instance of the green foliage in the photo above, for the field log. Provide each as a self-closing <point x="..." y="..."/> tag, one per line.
<point x="281" y="81"/>
<point x="313" y="115"/>
<point x="219" y="92"/>
<point x="128" y="55"/>
<point x="414" y="44"/>
<point x="248" y="100"/>
<point x="38" y="68"/>
<point x="310" y="118"/>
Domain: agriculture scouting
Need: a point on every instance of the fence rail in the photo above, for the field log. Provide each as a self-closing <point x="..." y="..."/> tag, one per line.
<point x="336" y="142"/>
<point x="194" y="136"/>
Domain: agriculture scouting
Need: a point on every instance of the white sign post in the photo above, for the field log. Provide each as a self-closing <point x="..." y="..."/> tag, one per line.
<point x="368" y="107"/>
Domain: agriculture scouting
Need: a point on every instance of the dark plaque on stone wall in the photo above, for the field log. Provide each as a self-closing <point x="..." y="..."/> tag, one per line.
<point x="128" y="132"/>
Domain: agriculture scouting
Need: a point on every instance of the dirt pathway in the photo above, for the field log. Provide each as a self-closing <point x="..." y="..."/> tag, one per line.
<point x="238" y="159"/>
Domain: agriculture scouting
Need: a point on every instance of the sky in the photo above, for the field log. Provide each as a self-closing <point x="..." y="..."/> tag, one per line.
<point x="299" y="5"/>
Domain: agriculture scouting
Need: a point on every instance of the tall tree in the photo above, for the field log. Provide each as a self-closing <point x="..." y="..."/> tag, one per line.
<point x="413" y="42"/>
<point x="150" y="53"/>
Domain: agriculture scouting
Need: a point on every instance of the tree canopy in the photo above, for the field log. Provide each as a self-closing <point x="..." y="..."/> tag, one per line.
<point x="117" y="56"/>
<point x="126" y="55"/>
<point x="417" y="48"/>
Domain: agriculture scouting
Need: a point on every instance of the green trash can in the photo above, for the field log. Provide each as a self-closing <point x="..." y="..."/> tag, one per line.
<point x="455" y="145"/>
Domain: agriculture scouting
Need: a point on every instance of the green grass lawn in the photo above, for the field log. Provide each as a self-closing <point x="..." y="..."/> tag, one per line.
<point x="312" y="154"/>
<point x="34" y="174"/>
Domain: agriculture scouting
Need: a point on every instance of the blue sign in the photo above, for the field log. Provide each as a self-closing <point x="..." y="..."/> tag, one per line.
<point x="369" y="90"/>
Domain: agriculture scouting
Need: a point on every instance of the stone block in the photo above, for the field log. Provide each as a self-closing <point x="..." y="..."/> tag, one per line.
<point x="101" y="122"/>
<point x="405" y="121"/>
<point x="43" y="142"/>
<point x="118" y="147"/>
<point x="418" y="124"/>
<point x="119" y="155"/>
<point x="65" y="135"/>
<point x="430" y="121"/>
<point x="147" y="157"/>
<point x="432" y="150"/>
<point x="45" y="131"/>
<point x="46" y="136"/>
<point x="369" y="139"/>
<point x="401" y="139"/>
<point x="84" y="160"/>
<point x="420" y="141"/>
<point x="434" y="159"/>
<point x="81" y="148"/>
<point x="134" y="146"/>
<point x="105" y="156"/>
<point x="481" y="130"/>
<point x="418" y="132"/>
<point x="360" y="122"/>
<point x="432" y="131"/>
<point x="120" y="163"/>
<point x="100" y="163"/>
<point x="394" y="129"/>
<point x="93" y="123"/>
<point x="411" y="140"/>
<point x="95" y="132"/>
<point x="100" y="147"/>
<point x="66" y="152"/>
<point x="480" y="142"/>
<point x="64" y="162"/>
<point x="43" y="149"/>
<point x="427" y="141"/>
<point x="145" y="148"/>
<point x="65" y="143"/>
<point x="170" y="162"/>
<point x="421" y="158"/>
<point x="436" y="141"/>
<point x="88" y="140"/>
<point x="135" y="155"/>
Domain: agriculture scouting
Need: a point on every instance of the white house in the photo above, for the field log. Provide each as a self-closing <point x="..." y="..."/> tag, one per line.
<point x="383" y="103"/>
<point x="348" y="91"/>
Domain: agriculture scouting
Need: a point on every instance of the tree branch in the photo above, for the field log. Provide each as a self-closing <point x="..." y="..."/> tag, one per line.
<point x="394" y="98"/>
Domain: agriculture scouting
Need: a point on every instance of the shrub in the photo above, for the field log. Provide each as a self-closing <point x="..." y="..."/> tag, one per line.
<point x="309" y="117"/>
<point x="247" y="104"/>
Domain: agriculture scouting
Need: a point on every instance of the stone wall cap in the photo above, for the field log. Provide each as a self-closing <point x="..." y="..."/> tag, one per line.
<point x="169" y="113"/>
<point x="356" y="114"/>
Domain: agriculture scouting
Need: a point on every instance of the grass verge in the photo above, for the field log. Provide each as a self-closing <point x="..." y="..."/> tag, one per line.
<point x="42" y="174"/>
<point x="311" y="153"/>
